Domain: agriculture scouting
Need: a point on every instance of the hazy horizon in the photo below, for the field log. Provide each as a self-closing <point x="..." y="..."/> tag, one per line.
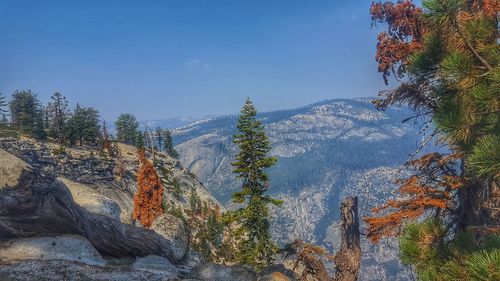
<point x="160" y="60"/>
<point x="191" y="119"/>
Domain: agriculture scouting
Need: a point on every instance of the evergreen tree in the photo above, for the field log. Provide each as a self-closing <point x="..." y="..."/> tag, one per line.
<point x="194" y="201"/>
<point x="75" y="124"/>
<point x="106" y="145"/>
<point x="214" y="229"/>
<point x="91" y="127"/>
<point x="175" y="211"/>
<point x="83" y="125"/>
<point x="210" y="237"/>
<point x="46" y="122"/>
<point x="449" y="54"/>
<point x="168" y="144"/>
<point x="57" y="114"/>
<point x="256" y="247"/>
<point x="159" y="138"/>
<point x="39" y="130"/>
<point x="176" y="189"/>
<point x="147" y="142"/>
<point x="139" y="141"/>
<point x="3" y="109"/>
<point x="126" y="128"/>
<point x="27" y="113"/>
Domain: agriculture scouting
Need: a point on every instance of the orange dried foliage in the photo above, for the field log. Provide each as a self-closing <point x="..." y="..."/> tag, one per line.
<point x="403" y="37"/>
<point x="431" y="188"/>
<point x="479" y="9"/>
<point x="489" y="8"/>
<point x="149" y="197"/>
<point x="311" y="257"/>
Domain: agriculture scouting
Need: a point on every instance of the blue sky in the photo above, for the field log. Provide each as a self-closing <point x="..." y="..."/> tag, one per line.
<point x="160" y="59"/>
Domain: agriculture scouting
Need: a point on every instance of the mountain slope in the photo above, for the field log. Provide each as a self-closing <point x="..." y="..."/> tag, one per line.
<point x="89" y="174"/>
<point x="326" y="151"/>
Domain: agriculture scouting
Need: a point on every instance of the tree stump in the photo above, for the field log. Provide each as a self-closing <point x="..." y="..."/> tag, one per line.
<point x="348" y="258"/>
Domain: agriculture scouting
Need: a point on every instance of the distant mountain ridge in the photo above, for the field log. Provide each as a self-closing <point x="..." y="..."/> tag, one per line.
<point x="168" y="123"/>
<point x="164" y="123"/>
<point x="326" y="151"/>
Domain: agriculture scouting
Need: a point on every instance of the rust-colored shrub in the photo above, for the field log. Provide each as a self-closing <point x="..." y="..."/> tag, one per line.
<point x="311" y="258"/>
<point x="149" y="197"/>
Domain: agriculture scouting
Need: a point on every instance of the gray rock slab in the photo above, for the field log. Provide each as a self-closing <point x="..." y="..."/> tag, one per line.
<point x="66" y="247"/>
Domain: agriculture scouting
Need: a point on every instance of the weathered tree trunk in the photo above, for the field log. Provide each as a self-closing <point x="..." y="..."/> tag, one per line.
<point x="41" y="206"/>
<point x="479" y="203"/>
<point x="348" y="258"/>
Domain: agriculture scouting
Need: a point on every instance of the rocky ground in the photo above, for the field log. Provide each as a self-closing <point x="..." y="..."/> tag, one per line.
<point x="101" y="180"/>
<point x="103" y="186"/>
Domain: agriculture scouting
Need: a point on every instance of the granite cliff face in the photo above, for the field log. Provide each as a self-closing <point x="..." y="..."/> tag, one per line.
<point x="327" y="151"/>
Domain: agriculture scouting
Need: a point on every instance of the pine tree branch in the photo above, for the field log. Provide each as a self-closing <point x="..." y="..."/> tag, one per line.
<point x="421" y="146"/>
<point x="469" y="46"/>
<point x="487" y="112"/>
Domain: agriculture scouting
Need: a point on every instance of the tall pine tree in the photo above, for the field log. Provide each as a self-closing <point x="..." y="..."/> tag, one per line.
<point x="105" y="144"/>
<point x="139" y="140"/>
<point x="91" y="127"/>
<point x="159" y="138"/>
<point x="39" y="129"/>
<point x="83" y="125"/>
<point x="27" y="113"/>
<point x="57" y="115"/>
<point x="449" y="54"/>
<point x="168" y="145"/>
<point x="255" y="246"/>
<point x="126" y="128"/>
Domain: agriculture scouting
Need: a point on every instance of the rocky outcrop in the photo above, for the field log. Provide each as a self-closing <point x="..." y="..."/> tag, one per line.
<point x="99" y="182"/>
<point x="209" y="153"/>
<point x="10" y="169"/>
<point x="217" y="272"/>
<point x="44" y="200"/>
<point x="81" y="165"/>
<point x="275" y="276"/>
<point x="66" y="247"/>
<point x="40" y="205"/>
<point x="174" y="230"/>
<point x="277" y="272"/>
<point x="58" y="270"/>
<point x="90" y="199"/>
<point x="156" y="264"/>
<point x="192" y="259"/>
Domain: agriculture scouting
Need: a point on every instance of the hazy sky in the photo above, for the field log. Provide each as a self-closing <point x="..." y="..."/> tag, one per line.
<point x="166" y="58"/>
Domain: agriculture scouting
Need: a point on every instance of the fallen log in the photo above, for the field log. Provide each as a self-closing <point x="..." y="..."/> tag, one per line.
<point x="41" y="205"/>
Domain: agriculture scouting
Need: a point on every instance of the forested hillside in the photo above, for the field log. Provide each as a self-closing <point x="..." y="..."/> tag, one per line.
<point x="326" y="151"/>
